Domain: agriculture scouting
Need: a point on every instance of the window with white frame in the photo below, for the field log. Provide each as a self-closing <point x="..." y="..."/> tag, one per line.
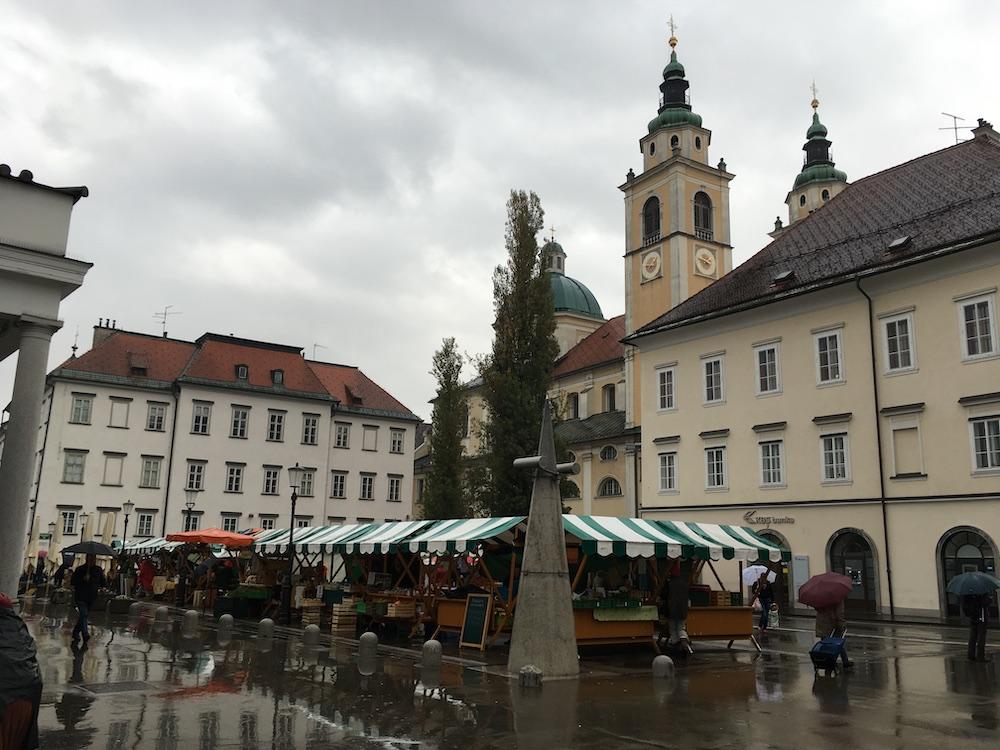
<point x="156" y="416"/>
<point x="195" y="475"/>
<point x="68" y="521"/>
<point x="302" y="523"/>
<point x="608" y="398"/>
<point x="202" y="417"/>
<point x="897" y="333"/>
<point x="986" y="443"/>
<point x="310" y="429"/>
<point x="240" y="421"/>
<point x="609" y="487"/>
<point x="144" y="524"/>
<point x="829" y="361"/>
<point x="395" y="488"/>
<point x="772" y="471"/>
<point x="713" y="380"/>
<point x="338" y="484"/>
<point x="367" y="486"/>
<point x="342" y="435"/>
<point x="230" y="523"/>
<point x="192" y="522"/>
<point x="234" y="477"/>
<point x="266" y="523"/>
<point x="306" y="483"/>
<point x="113" y="465"/>
<point x="573" y="406"/>
<point x="74" y="463"/>
<point x="396" y="441"/>
<point x="369" y="438"/>
<point x="119" y="413"/>
<point x="272" y="475"/>
<point x="836" y="467"/>
<point x="715" y="467"/>
<point x="275" y="426"/>
<point x="151" y="468"/>
<point x="978" y="319"/>
<point x="83" y="408"/>
<point x="665" y="388"/>
<point x="668" y="472"/>
<point x="768" y="380"/>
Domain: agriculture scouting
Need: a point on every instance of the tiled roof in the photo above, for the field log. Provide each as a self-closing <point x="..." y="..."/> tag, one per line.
<point x="355" y="390"/>
<point x="164" y="359"/>
<point x="603" y="345"/>
<point x="939" y="201"/>
<point x="603" y="426"/>
<point x="218" y="356"/>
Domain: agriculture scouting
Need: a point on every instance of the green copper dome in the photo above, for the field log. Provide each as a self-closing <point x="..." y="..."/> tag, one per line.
<point x="551" y="246"/>
<point x="569" y="295"/>
<point x="674" y="69"/>
<point x="817" y="129"/>
<point x="819" y="173"/>
<point x="670" y="117"/>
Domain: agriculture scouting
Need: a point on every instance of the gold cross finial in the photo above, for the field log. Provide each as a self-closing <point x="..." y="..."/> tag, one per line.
<point x="672" y="41"/>
<point x="815" y="93"/>
<point x="553" y="230"/>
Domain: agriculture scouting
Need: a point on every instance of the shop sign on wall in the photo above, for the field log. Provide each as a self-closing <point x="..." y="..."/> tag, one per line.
<point x="750" y="518"/>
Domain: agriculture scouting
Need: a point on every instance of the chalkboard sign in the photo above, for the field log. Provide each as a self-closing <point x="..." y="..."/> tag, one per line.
<point x="475" y="624"/>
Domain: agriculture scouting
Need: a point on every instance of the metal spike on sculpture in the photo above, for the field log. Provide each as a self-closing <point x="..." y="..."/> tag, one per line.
<point x="544" y="633"/>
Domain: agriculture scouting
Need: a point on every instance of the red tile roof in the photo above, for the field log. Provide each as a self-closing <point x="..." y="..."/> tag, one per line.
<point x="164" y="359"/>
<point x="352" y="388"/>
<point x="603" y="345"/>
<point x="218" y="356"/>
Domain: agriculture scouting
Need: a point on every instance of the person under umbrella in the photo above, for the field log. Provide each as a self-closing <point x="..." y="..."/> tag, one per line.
<point x="977" y="592"/>
<point x="826" y="594"/>
<point x="87" y="580"/>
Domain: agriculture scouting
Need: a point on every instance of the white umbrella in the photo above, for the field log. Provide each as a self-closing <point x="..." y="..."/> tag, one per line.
<point x="752" y="574"/>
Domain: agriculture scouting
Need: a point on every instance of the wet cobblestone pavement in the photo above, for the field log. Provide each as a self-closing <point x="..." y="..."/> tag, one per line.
<point x="141" y="686"/>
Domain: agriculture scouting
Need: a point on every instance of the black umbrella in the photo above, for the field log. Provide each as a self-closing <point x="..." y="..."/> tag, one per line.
<point x="91" y="548"/>
<point x="971" y="584"/>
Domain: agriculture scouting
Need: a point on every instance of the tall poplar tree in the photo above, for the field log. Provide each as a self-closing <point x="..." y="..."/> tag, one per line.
<point x="517" y="373"/>
<point x="444" y="496"/>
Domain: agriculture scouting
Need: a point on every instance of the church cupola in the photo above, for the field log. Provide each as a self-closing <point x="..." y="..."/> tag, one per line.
<point x="819" y="180"/>
<point x="553" y="256"/>
<point x="675" y="105"/>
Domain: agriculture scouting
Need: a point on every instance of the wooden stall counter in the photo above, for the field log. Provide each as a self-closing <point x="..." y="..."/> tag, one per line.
<point x="721" y="624"/>
<point x="605" y="626"/>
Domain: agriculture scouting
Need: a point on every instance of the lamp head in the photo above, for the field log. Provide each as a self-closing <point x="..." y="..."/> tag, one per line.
<point x="128" y="506"/>
<point x="295" y="476"/>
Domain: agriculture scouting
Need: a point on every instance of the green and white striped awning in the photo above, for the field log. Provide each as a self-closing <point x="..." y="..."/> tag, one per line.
<point x="463" y="534"/>
<point x="381" y="537"/>
<point x="627" y="537"/>
<point x="153" y="544"/>
<point x="728" y="542"/>
<point x="309" y="538"/>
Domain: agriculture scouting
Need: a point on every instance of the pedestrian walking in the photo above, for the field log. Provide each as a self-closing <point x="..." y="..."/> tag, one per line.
<point x="832" y="623"/>
<point x="977" y="608"/>
<point x="764" y="593"/>
<point x="87" y="580"/>
<point x="20" y="682"/>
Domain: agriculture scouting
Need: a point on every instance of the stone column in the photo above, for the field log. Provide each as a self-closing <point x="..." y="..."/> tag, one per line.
<point x="20" y="446"/>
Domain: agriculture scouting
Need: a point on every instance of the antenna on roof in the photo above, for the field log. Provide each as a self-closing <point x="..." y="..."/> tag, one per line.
<point x="164" y="316"/>
<point x="315" y="347"/>
<point x="955" y="126"/>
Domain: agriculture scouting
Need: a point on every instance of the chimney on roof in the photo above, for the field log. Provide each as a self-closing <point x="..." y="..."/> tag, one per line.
<point x="102" y="332"/>
<point x="985" y="130"/>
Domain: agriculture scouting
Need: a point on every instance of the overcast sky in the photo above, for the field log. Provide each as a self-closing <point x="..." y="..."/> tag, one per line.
<point x="335" y="174"/>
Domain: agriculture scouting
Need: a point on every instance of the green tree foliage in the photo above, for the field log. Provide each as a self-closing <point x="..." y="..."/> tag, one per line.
<point x="444" y="495"/>
<point x="517" y="373"/>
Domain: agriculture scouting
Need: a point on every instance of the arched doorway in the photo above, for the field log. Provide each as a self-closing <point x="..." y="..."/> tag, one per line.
<point x="782" y="586"/>
<point x="851" y="554"/>
<point x="964" y="550"/>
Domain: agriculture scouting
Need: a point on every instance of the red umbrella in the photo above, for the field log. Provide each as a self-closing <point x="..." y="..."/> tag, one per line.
<point x="825" y="590"/>
<point x="212" y="536"/>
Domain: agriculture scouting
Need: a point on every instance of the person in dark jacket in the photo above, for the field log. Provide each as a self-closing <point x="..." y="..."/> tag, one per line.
<point x="20" y="682"/>
<point x="977" y="608"/>
<point x="87" y="580"/>
<point x="765" y="595"/>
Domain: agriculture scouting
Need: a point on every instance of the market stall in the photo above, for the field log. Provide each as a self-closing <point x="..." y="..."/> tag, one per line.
<point x="197" y="566"/>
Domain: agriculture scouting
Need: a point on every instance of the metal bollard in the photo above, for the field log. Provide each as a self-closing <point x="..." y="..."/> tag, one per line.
<point x="530" y="676"/>
<point x="431" y="654"/>
<point x="265" y="628"/>
<point x="310" y="636"/>
<point x="663" y="666"/>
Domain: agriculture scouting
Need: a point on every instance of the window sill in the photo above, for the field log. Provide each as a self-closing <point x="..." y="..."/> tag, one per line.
<point x="707" y="404"/>
<point x="366" y="499"/>
<point x="304" y="443"/>
<point x="200" y="434"/>
<point x="773" y="486"/>
<point x="65" y="482"/>
<point x="396" y="453"/>
<point x="232" y="492"/>
<point x="269" y="494"/>
<point x="151" y="429"/>
<point x="300" y="495"/>
<point x="338" y="497"/>
<point x="835" y="482"/>
<point x="667" y="410"/>
<point x="238" y="437"/>
<point x="770" y="394"/>
<point x="717" y="489"/>
<point x="148" y="487"/>
<point x="343" y="447"/>
<point x="117" y="427"/>
<point x="668" y="492"/>
<point x="82" y="424"/>
<point x="274" y="440"/>
<point x="986" y="473"/>
<point x="370" y="450"/>
<point x="980" y="358"/>
<point x="831" y="383"/>
<point x="608" y="497"/>
<point x="911" y="476"/>
<point x="900" y="371"/>
<point x="390" y="500"/>
<point x="106" y="484"/>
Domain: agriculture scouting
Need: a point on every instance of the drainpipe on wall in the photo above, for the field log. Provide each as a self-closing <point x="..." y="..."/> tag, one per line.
<point x="635" y="478"/>
<point x="878" y="439"/>
<point x="170" y="459"/>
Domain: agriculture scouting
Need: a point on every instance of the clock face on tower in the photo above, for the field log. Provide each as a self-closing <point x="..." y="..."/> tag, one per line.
<point x="651" y="265"/>
<point x="704" y="261"/>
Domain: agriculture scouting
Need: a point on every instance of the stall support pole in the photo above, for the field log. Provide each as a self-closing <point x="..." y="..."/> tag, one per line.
<point x="286" y="590"/>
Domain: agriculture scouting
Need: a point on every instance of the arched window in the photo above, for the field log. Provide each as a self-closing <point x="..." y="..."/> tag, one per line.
<point x="609" y="487"/>
<point x="802" y="200"/>
<point x="826" y="195"/>
<point x="609" y="453"/>
<point x="568" y="489"/>
<point x="697" y="142"/>
<point x="674" y="141"/>
<point x="651" y="220"/>
<point x="608" y="397"/>
<point x="573" y="406"/>
<point x="702" y="216"/>
<point x="964" y="550"/>
<point x="851" y="555"/>
<point x="652" y="147"/>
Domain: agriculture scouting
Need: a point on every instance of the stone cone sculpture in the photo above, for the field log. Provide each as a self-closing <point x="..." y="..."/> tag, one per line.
<point x="544" y="634"/>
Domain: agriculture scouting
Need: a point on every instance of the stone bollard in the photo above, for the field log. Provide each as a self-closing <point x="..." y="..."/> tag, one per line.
<point x="135" y="610"/>
<point x="430" y="676"/>
<point x="265" y="629"/>
<point x="663" y="666"/>
<point x="226" y="622"/>
<point x="530" y="676"/>
<point x="161" y="617"/>
<point x="224" y="635"/>
<point x="189" y="622"/>
<point x="368" y="645"/>
<point x="310" y="636"/>
<point x="431" y="654"/>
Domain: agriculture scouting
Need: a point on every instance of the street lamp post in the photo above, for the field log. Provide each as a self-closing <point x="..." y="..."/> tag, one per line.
<point x="52" y="535"/>
<point x="127" y="507"/>
<point x="294" y="479"/>
<point x="191" y="496"/>
<point x="84" y="517"/>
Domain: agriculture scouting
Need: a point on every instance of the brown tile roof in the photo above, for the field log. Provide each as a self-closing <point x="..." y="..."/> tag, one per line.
<point x="939" y="200"/>
<point x="603" y="345"/>
<point x="218" y="356"/>
<point x="164" y="359"/>
<point x="355" y="390"/>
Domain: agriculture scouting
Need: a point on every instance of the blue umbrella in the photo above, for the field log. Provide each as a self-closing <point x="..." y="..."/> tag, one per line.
<point x="972" y="584"/>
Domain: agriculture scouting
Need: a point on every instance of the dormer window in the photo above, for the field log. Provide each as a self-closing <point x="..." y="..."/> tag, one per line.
<point x="242" y="372"/>
<point x="278" y="377"/>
